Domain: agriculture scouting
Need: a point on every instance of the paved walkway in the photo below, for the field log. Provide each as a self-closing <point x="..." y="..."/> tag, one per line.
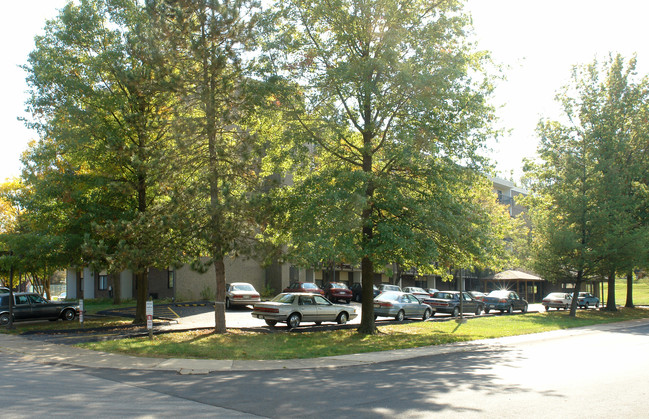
<point x="29" y="350"/>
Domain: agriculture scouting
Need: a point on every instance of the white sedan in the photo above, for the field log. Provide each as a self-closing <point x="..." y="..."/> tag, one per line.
<point x="295" y="308"/>
<point x="558" y="300"/>
<point x="240" y="294"/>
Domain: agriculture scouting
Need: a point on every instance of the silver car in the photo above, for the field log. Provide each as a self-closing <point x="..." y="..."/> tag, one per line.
<point x="400" y="305"/>
<point x="240" y="294"/>
<point x="295" y="308"/>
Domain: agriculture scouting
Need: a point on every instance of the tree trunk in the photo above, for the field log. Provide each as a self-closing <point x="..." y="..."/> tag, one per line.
<point x="610" y="299"/>
<point x="219" y="306"/>
<point x="117" y="288"/>
<point x="368" y="325"/>
<point x="575" y="294"/>
<point x="629" y="290"/>
<point x="141" y="279"/>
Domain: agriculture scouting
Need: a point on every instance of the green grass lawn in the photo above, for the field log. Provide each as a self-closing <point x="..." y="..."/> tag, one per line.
<point x="640" y="291"/>
<point x="280" y="344"/>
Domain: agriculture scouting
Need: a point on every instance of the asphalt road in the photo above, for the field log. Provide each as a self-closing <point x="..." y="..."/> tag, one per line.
<point x="586" y="373"/>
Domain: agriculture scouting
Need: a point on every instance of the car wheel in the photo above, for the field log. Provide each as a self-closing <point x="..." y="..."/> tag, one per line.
<point x="227" y="303"/>
<point x="400" y="316"/>
<point x="478" y="311"/>
<point x="427" y="314"/>
<point x="293" y="321"/>
<point x="510" y="310"/>
<point x="68" y="314"/>
<point x="358" y="298"/>
<point x="524" y="310"/>
<point x="456" y="312"/>
<point x="547" y="308"/>
<point x="4" y="319"/>
<point x="596" y="305"/>
<point x="586" y="306"/>
<point x="486" y="311"/>
<point x="376" y="316"/>
<point x="342" y="318"/>
<point x="271" y="323"/>
<point x="318" y="323"/>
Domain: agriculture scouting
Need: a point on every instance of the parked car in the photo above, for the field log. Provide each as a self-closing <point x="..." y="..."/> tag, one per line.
<point x="295" y="308"/>
<point x="357" y="291"/>
<point x="337" y="291"/>
<point x="478" y="295"/>
<point x="240" y="294"/>
<point x="586" y="299"/>
<point x="400" y="305"/>
<point x="4" y="290"/>
<point x="558" y="300"/>
<point x="31" y="306"/>
<point x="449" y="302"/>
<point x="420" y="293"/>
<point x="389" y="287"/>
<point x="304" y="287"/>
<point x="505" y="301"/>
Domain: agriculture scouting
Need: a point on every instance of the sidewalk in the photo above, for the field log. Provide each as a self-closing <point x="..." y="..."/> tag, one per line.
<point x="49" y="353"/>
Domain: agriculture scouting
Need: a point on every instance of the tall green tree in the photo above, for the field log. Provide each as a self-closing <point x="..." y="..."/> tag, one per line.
<point x="100" y="102"/>
<point x="217" y="125"/>
<point x="392" y="113"/>
<point x="593" y="172"/>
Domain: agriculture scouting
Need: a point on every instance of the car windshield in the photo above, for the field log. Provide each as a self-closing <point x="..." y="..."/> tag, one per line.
<point x="338" y="285"/>
<point x="309" y="286"/>
<point x="420" y="290"/>
<point x="284" y="298"/>
<point x="242" y="287"/>
<point x="499" y="294"/>
<point x="556" y="295"/>
<point x="390" y="287"/>
<point x="389" y="296"/>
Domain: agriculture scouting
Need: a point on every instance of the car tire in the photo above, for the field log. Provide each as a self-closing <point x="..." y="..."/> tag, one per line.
<point x="478" y="310"/>
<point x="427" y="314"/>
<point x="342" y="318"/>
<point x="293" y="321"/>
<point x="400" y="316"/>
<point x="227" y="304"/>
<point x="318" y="323"/>
<point x="358" y="298"/>
<point x="4" y="319"/>
<point x="486" y="311"/>
<point x="524" y="310"/>
<point x="586" y="306"/>
<point x="456" y="312"/>
<point x="596" y="305"/>
<point x="271" y="323"/>
<point x="68" y="314"/>
<point x="510" y="310"/>
<point x="376" y="316"/>
<point x="547" y="308"/>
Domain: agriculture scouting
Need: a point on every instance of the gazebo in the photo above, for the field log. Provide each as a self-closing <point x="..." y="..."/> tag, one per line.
<point x="526" y="285"/>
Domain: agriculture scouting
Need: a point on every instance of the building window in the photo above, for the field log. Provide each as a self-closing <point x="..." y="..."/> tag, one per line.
<point x="171" y="276"/>
<point x="103" y="282"/>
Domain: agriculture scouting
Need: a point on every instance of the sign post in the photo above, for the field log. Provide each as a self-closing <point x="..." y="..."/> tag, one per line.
<point x="81" y="312"/>
<point x="149" y="317"/>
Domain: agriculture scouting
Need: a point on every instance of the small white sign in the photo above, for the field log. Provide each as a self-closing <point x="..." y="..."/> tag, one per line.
<point x="149" y="315"/>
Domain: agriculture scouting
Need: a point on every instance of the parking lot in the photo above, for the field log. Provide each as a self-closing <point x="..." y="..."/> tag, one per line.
<point x="191" y="316"/>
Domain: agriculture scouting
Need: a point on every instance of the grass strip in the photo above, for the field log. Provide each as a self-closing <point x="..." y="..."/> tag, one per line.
<point x="280" y="344"/>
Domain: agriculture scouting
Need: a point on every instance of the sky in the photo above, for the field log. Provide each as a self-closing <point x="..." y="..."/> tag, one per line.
<point x="536" y="42"/>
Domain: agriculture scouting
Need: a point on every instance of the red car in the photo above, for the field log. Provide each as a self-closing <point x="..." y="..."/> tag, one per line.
<point x="337" y="291"/>
<point x="304" y="287"/>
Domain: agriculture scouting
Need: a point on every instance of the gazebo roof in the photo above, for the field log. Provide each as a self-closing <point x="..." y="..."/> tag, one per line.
<point x="511" y="275"/>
